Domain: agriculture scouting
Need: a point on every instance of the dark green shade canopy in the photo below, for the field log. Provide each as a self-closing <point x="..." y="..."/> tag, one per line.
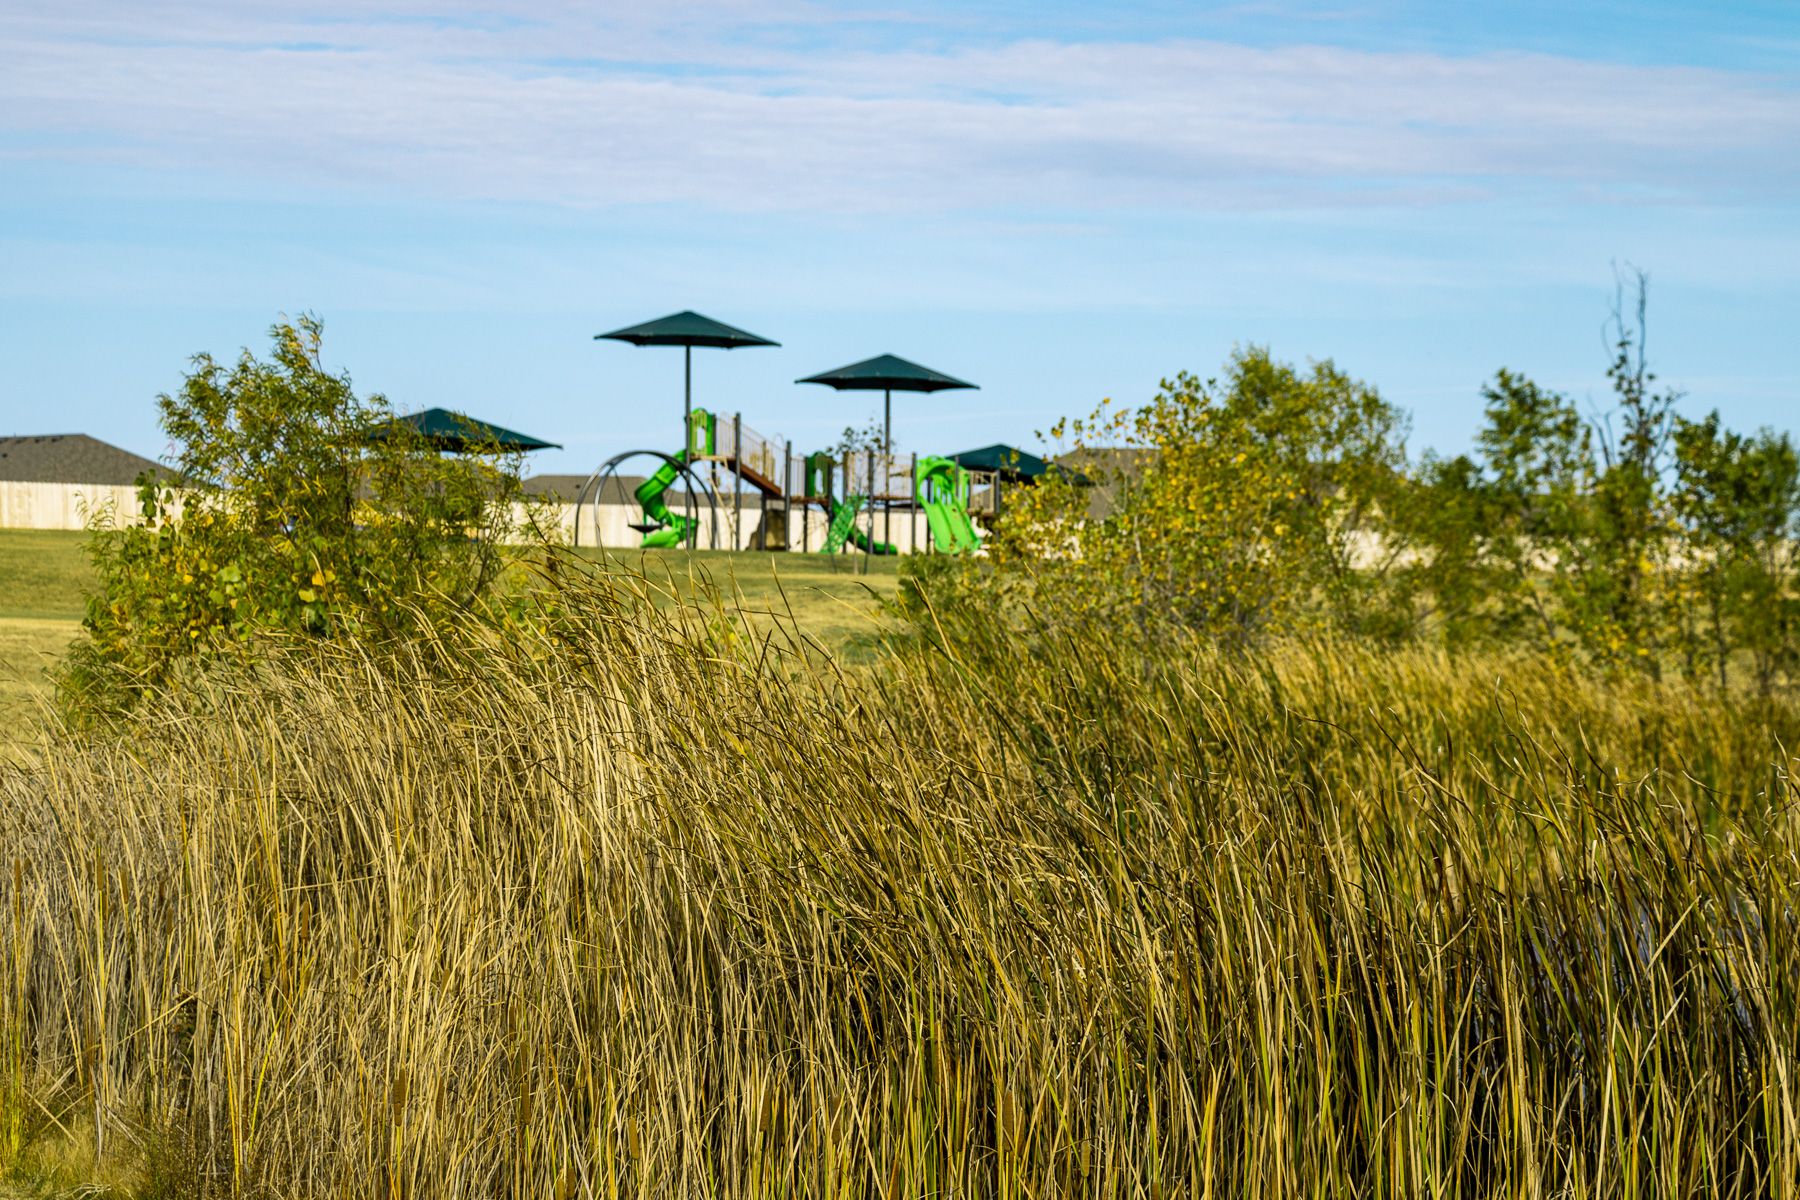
<point x="1011" y="463"/>
<point x="452" y="431"/>
<point x="886" y="373"/>
<point x="686" y="329"/>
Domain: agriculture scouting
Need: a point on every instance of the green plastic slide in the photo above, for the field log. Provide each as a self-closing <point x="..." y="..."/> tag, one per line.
<point x="675" y="526"/>
<point x="820" y="467"/>
<point x="843" y="527"/>
<point x="943" y="490"/>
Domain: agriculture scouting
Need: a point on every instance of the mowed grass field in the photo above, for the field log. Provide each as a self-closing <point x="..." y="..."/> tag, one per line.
<point x="835" y="599"/>
<point x="45" y="578"/>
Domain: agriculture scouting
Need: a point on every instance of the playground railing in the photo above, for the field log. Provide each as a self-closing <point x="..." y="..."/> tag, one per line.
<point x="862" y="472"/>
<point x="871" y="473"/>
<point x="755" y="452"/>
<point x="795" y="477"/>
<point x="984" y="492"/>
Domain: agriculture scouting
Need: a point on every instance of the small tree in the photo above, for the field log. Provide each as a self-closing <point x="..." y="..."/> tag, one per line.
<point x="1621" y="588"/>
<point x="301" y="508"/>
<point x="1528" y="509"/>
<point x="1560" y="528"/>
<point x="855" y="443"/>
<point x="1738" y="504"/>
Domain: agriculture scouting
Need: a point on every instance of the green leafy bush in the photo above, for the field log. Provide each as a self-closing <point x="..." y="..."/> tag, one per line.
<point x="1239" y="508"/>
<point x="1280" y="502"/>
<point x="300" y="509"/>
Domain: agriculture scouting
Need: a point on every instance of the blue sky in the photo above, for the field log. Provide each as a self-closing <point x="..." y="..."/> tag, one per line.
<point x="1061" y="202"/>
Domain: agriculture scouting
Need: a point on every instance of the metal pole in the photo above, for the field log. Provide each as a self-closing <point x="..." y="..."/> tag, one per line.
<point x="912" y="529"/>
<point x="869" y="538"/>
<point x="787" y="493"/>
<point x="687" y="431"/>
<point x="887" y="466"/>
<point x="919" y="490"/>
<point x="737" y="473"/>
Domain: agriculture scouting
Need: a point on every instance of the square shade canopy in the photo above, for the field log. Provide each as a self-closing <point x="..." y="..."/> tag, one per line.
<point x="455" y="432"/>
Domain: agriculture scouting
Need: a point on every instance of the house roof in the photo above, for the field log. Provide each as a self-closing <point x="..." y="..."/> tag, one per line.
<point x="1113" y="472"/>
<point x="71" y="458"/>
<point x="564" y="488"/>
<point x="1012" y="463"/>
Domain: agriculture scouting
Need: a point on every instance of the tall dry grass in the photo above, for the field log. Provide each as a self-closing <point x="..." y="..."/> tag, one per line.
<point x="636" y="907"/>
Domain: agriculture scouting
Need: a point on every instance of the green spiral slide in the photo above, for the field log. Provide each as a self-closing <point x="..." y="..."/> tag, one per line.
<point x="675" y="526"/>
<point x="663" y="527"/>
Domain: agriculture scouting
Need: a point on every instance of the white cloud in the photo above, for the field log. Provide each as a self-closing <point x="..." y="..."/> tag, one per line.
<point x="717" y="103"/>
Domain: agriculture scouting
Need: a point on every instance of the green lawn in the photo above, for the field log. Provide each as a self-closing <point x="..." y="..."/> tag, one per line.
<point x="827" y="596"/>
<point x="44" y="576"/>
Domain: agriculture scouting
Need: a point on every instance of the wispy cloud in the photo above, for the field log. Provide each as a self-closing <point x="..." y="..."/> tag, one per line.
<point x="757" y="106"/>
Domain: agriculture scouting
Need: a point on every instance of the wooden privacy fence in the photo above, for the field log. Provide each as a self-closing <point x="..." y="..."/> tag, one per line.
<point x="64" y="505"/>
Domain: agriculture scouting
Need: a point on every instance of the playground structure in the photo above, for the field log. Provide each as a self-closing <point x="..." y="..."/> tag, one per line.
<point x="696" y="496"/>
<point x="848" y="489"/>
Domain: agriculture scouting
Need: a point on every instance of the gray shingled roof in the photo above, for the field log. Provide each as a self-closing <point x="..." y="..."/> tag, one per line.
<point x="620" y="489"/>
<point x="564" y="487"/>
<point x="71" y="458"/>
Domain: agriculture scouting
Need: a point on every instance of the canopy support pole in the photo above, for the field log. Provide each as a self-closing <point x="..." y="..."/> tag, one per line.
<point x="912" y="509"/>
<point x="887" y="464"/>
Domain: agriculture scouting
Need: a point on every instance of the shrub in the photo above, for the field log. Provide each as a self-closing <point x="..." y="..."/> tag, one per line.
<point x="1240" y="508"/>
<point x="1279" y="502"/>
<point x="300" y="509"/>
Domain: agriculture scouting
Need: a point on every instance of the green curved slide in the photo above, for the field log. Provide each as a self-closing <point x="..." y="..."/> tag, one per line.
<point x="702" y="434"/>
<point x="943" y="491"/>
<point x="649" y="494"/>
